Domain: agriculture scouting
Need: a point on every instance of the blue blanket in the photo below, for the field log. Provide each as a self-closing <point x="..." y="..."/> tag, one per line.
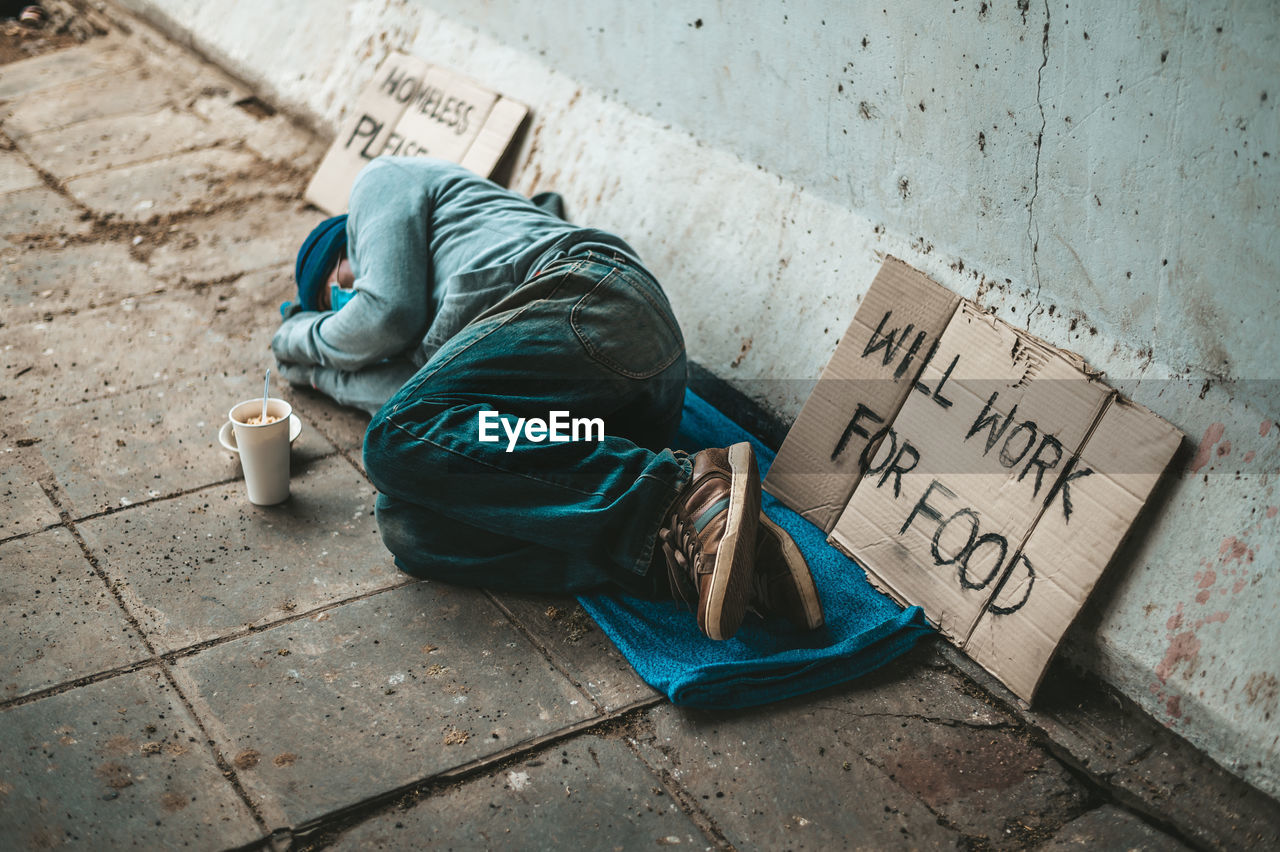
<point x="763" y="662"/>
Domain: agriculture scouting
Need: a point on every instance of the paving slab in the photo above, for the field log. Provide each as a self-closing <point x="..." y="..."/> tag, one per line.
<point x="589" y="792"/>
<point x="133" y="90"/>
<point x="963" y="757"/>
<point x="914" y="759"/>
<point x="24" y="507"/>
<point x="237" y="112"/>
<point x="40" y="212"/>
<point x="108" y="143"/>
<point x="919" y="686"/>
<point x="55" y="71"/>
<point x="250" y="304"/>
<point x="210" y="564"/>
<point x="170" y="58"/>
<point x="342" y="425"/>
<point x="266" y="234"/>
<point x="157" y="339"/>
<point x="1146" y="767"/>
<point x="770" y="778"/>
<point x="992" y="784"/>
<point x="146" y="444"/>
<point x="58" y="620"/>
<point x="563" y="628"/>
<point x="195" y="180"/>
<point x="115" y="764"/>
<point x="1109" y="827"/>
<point x="330" y="710"/>
<point x="45" y="280"/>
<point x="16" y="173"/>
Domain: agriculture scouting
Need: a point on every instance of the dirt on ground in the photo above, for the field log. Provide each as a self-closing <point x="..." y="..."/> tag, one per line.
<point x="61" y="24"/>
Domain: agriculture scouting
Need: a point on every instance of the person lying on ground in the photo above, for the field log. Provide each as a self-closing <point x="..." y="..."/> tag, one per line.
<point x="466" y="319"/>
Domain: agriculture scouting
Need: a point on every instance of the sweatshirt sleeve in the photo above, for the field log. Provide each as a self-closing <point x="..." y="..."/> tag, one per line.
<point x="367" y="389"/>
<point x="388" y="233"/>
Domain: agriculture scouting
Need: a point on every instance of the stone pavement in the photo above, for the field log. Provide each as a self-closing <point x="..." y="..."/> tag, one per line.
<point x="181" y="668"/>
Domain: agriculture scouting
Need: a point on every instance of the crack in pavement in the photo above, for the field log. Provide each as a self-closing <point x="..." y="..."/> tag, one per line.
<point x="933" y="720"/>
<point x="323" y="831"/>
<point x="685" y="799"/>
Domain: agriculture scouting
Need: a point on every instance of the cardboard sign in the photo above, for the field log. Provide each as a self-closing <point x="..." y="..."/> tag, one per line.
<point x="876" y="364"/>
<point x="991" y="485"/>
<point x="1020" y="630"/>
<point x="411" y="108"/>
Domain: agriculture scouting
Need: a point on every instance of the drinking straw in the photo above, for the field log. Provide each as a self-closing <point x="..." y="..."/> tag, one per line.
<point x="266" y="384"/>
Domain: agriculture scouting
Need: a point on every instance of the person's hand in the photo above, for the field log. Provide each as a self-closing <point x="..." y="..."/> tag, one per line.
<point x="298" y="375"/>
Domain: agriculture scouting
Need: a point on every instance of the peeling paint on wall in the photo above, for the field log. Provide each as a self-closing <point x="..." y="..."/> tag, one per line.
<point x="1218" y="581"/>
<point x="1212" y="436"/>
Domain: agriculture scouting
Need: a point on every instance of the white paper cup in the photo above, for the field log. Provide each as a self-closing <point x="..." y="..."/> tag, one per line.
<point x="264" y="450"/>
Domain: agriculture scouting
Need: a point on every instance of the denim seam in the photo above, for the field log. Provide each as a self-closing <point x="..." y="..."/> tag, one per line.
<point x="600" y="357"/>
<point x="642" y="564"/>
<point x="575" y="263"/>
<point x="483" y="463"/>
<point x="629" y="275"/>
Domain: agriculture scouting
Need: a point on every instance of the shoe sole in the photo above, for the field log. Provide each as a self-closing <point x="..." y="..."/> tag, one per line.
<point x="735" y="560"/>
<point x="800" y="575"/>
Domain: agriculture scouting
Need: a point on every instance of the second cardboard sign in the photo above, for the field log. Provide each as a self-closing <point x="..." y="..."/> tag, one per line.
<point x="411" y="108"/>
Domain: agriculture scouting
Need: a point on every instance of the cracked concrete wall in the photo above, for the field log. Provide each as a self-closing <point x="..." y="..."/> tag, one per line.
<point x="1106" y="178"/>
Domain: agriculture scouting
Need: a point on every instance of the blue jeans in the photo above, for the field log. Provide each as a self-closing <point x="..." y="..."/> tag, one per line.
<point x="590" y="335"/>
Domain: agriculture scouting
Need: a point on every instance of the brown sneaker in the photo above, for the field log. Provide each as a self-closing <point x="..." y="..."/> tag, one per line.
<point x="710" y="536"/>
<point x="783" y="584"/>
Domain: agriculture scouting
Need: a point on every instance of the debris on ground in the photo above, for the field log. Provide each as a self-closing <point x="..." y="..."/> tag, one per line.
<point x="39" y="28"/>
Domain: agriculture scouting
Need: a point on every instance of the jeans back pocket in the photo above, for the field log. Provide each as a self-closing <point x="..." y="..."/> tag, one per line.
<point x="625" y="323"/>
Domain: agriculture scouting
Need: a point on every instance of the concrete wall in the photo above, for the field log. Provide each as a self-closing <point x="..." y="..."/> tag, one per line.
<point x="1107" y="179"/>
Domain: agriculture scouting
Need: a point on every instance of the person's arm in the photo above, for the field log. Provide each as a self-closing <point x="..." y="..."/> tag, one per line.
<point x="388" y="235"/>
<point x="366" y="389"/>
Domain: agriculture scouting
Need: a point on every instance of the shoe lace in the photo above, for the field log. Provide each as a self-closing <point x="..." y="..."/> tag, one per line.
<point x="684" y="559"/>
